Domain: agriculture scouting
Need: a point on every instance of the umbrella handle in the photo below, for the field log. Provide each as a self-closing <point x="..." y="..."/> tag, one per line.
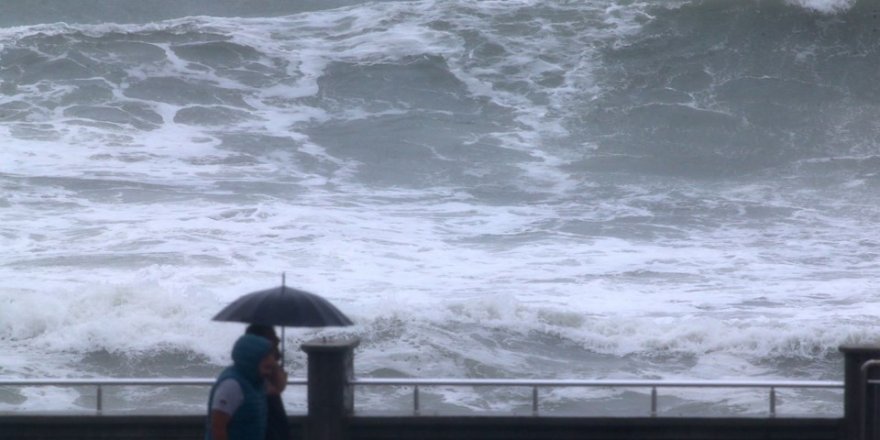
<point x="282" y="346"/>
<point x="283" y="285"/>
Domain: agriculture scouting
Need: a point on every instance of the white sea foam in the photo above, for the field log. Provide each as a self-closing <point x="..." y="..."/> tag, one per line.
<point x="824" y="6"/>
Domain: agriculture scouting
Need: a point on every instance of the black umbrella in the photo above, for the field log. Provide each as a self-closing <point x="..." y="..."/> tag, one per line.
<point x="286" y="307"/>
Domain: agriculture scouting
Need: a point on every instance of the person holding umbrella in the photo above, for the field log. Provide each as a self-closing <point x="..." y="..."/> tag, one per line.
<point x="286" y="307"/>
<point x="277" y="427"/>
<point x="237" y="407"/>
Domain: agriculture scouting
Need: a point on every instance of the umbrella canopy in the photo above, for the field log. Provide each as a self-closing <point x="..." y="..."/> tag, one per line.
<point x="284" y="306"/>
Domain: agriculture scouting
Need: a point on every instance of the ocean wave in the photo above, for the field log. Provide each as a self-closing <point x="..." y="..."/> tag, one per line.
<point x="430" y="336"/>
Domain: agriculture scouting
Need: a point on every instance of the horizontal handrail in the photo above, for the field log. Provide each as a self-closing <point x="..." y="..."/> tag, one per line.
<point x="99" y="384"/>
<point x="653" y="385"/>
<point x="535" y="384"/>
<point x="609" y="383"/>
<point x="452" y="382"/>
<point x="121" y="382"/>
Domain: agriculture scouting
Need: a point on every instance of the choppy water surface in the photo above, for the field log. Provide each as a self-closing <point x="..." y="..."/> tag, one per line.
<point x="590" y="189"/>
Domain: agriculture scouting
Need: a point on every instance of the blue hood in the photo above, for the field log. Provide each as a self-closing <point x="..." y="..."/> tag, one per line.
<point x="247" y="353"/>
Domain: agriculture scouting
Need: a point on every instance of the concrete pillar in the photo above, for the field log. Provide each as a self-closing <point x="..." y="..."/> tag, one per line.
<point x="860" y="404"/>
<point x="330" y="394"/>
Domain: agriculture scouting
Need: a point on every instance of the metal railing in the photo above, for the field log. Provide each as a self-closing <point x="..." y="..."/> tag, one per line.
<point x="417" y="384"/>
<point x="653" y="385"/>
<point x="100" y="384"/>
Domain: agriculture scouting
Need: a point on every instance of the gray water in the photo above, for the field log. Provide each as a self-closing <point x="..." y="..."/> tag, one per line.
<point x="591" y="189"/>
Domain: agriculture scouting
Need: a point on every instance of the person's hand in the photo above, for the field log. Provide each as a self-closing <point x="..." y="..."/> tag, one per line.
<point x="279" y="379"/>
<point x="276" y="380"/>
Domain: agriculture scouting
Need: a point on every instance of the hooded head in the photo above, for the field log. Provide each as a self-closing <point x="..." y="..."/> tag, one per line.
<point x="247" y="353"/>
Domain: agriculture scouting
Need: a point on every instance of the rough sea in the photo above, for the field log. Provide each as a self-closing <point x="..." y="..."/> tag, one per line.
<point x="555" y="189"/>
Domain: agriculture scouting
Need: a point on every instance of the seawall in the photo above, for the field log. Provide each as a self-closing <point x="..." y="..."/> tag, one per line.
<point x="438" y="428"/>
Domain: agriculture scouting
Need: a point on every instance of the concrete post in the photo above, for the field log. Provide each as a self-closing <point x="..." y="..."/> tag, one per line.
<point x="330" y="394"/>
<point x="859" y="402"/>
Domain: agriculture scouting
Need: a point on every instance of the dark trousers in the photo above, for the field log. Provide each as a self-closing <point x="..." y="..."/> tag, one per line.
<point x="277" y="428"/>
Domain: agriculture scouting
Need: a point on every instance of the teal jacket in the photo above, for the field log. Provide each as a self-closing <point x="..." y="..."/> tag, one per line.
<point x="249" y="421"/>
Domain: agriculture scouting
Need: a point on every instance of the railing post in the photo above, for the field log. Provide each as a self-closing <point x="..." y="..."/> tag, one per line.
<point x="534" y="401"/>
<point x="653" y="401"/>
<point x="330" y="392"/>
<point x="99" y="399"/>
<point x="772" y="401"/>
<point x="416" y="401"/>
<point x="858" y="402"/>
